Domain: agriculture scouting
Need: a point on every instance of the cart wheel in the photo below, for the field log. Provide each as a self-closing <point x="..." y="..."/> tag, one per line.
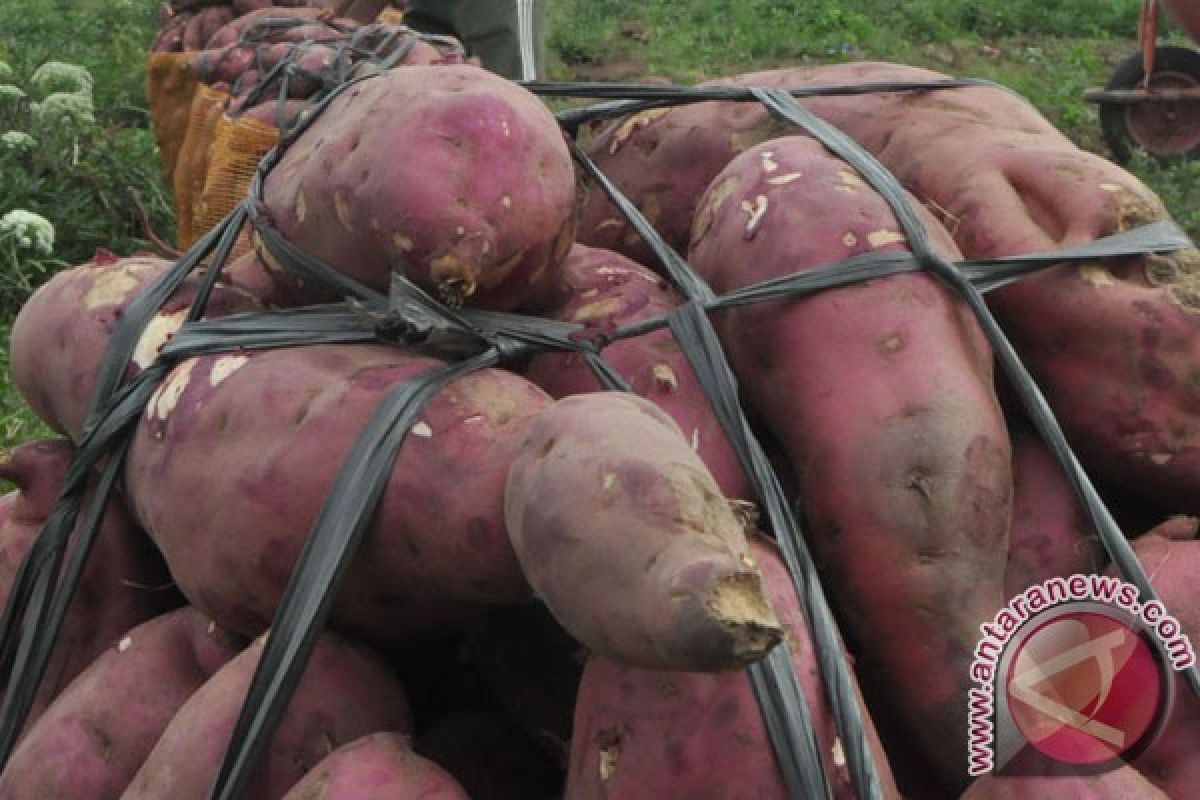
<point x="1166" y="130"/>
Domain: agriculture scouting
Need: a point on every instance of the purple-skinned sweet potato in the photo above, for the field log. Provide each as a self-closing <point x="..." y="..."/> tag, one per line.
<point x="346" y="692"/>
<point x="1113" y="343"/>
<point x="604" y="291"/>
<point x="60" y="336"/>
<point x="123" y="584"/>
<point x="169" y="38"/>
<point x="204" y="24"/>
<point x="645" y="733"/>
<point x="484" y="215"/>
<point x="1051" y="534"/>
<point x="233" y="32"/>
<point x="881" y="394"/>
<point x="1170" y="555"/>
<point x="93" y="739"/>
<point x="283" y="420"/>
<point x="381" y="766"/>
<point x="624" y="534"/>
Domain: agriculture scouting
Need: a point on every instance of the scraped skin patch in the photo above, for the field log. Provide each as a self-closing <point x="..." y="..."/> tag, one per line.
<point x="1097" y="275"/>
<point x="160" y="328"/>
<point x="164" y="400"/>
<point x="884" y="237"/>
<point x="633" y="123"/>
<point x="110" y="288"/>
<point x="225" y="366"/>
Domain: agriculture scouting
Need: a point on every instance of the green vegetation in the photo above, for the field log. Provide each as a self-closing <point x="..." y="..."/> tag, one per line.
<point x="87" y="144"/>
<point x="79" y="165"/>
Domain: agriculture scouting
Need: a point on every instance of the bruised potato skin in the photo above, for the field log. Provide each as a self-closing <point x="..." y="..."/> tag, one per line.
<point x="280" y="423"/>
<point x="450" y="174"/>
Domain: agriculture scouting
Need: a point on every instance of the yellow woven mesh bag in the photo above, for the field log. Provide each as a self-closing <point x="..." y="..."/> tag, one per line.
<point x="237" y="147"/>
<point x="170" y="88"/>
<point x="191" y="168"/>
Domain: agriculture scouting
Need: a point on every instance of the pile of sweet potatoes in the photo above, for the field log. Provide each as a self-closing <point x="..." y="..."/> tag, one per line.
<point x="560" y="587"/>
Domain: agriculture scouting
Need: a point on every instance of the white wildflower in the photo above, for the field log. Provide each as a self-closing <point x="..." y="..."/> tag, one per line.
<point x="28" y="229"/>
<point x="65" y="109"/>
<point x="56" y="76"/>
<point x="10" y="92"/>
<point x="17" y="140"/>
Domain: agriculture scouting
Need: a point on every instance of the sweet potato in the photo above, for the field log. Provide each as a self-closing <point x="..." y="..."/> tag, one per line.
<point x="59" y="337"/>
<point x="642" y="733"/>
<point x="376" y="767"/>
<point x="1124" y="783"/>
<point x="1170" y="554"/>
<point x="223" y="64"/>
<point x="484" y="213"/>
<point x="203" y="25"/>
<point x="233" y="32"/>
<point x="1051" y="534"/>
<point x="91" y="742"/>
<point x="1005" y="182"/>
<point x="282" y="421"/>
<point x="346" y="693"/>
<point x="603" y="291"/>
<point x="490" y="758"/>
<point x="123" y="584"/>
<point x="169" y="38"/>
<point x="882" y="396"/>
<point x="624" y="534"/>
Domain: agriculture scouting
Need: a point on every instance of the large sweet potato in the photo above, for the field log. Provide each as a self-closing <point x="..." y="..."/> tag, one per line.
<point x="281" y="422"/>
<point x="624" y="534"/>
<point x="93" y="739"/>
<point x="346" y="693"/>
<point x="59" y="338"/>
<point x="123" y="584"/>
<point x="882" y="396"/>
<point x="1112" y="343"/>
<point x="643" y="733"/>
<point x="604" y="291"/>
<point x="453" y="175"/>
<point x="376" y="767"/>
<point x="1051" y="534"/>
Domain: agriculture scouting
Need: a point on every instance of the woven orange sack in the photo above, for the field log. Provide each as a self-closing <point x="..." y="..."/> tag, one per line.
<point x="170" y="89"/>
